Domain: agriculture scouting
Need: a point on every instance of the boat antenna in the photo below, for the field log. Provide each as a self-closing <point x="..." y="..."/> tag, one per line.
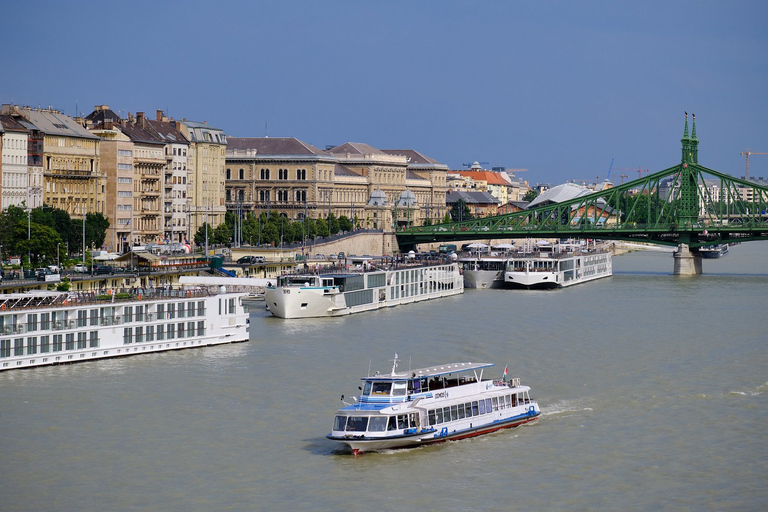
<point x="394" y="364"/>
<point x="369" y="368"/>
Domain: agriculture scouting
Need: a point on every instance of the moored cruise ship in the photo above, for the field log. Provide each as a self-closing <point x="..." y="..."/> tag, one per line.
<point x="431" y="405"/>
<point x="319" y="295"/>
<point x="41" y="328"/>
<point x="556" y="266"/>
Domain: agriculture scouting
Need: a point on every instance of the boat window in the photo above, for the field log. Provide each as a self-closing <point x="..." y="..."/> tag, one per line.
<point x="414" y="419"/>
<point x="482" y="407"/>
<point x="357" y="424"/>
<point x="377" y="424"/>
<point x="439" y="413"/>
<point x="487" y="405"/>
<point x="447" y="414"/>
<point x="501" y="403"/>
<point x="514" y="400"/>
<point x="339" y="423"/>
<point x="495" y="404"/>
<point x="367" y="388"/>
<point x="475" y="410"/>
<point x="392" y="423"/>
<point x="381" y="388"/>
<point x="468" y="409"/>
<point x="402" y="421"/>
<point x="461" y="410"/>
<point x="455" y="412"/>
<point x="431" y="415"/>
<point x="509" y="400"/>
<point x="400" y="388"/>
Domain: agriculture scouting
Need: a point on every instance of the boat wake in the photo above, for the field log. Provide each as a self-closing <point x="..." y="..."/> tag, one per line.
<point x="756" y="392"/>
<point x="565" y="408"/>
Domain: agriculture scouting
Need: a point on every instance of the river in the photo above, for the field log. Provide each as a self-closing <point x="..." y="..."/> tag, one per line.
<point x="652" y="387"/>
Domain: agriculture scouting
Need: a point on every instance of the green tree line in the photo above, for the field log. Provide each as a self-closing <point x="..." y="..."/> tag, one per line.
<point x="46" y="235"/>
<point x="270" y="228"/>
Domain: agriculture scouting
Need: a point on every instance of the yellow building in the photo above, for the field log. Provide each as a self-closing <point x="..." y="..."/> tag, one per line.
<point x="72" y="180"/>
<point x="369" y="186"/>
<point x="206" y="160"/>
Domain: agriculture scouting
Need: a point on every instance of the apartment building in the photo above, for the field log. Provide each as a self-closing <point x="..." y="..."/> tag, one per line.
<point x="15" y="174"/>
<point x="176" y="182"/>
<point x="72" y="180"/>
<point x="205" y="163"/>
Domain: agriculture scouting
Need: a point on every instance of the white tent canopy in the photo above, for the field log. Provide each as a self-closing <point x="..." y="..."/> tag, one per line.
<point x="106" y="257"/>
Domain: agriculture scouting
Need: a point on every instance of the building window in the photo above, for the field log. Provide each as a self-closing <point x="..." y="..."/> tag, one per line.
<point x="242" y="174"/>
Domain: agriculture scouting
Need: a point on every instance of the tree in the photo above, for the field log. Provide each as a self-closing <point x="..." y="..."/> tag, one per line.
<point x="530" y="195"/>
<point x="333" y="224"/>
<point x="199" y="237"/>
<point x="460" y="211"/>
<point x="345" y="224"/>
<point x="96" y="225"/>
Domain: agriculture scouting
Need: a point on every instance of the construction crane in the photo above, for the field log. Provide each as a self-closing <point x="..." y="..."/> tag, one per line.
<point x="639" y="172"/>
<point x="747" y="153"/>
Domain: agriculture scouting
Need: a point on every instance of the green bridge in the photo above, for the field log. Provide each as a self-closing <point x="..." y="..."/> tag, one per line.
<point x="688" y="206"/>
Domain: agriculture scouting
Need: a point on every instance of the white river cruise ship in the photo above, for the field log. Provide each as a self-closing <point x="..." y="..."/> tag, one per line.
<point x="318" y="295"/>
<point x="46" y="328"/>
<point x="431" y="405"/>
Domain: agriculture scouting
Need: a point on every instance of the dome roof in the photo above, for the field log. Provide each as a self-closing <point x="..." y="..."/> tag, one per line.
<point x="378" y="198"/>
<point x="407" y="199"/>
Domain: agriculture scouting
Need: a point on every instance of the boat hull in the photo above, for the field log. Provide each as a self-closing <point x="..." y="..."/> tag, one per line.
<point x="483" y="279"/>
<point x="362" y="445"/>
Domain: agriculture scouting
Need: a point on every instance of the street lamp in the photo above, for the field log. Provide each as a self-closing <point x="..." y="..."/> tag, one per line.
<point x="58" y="265"/>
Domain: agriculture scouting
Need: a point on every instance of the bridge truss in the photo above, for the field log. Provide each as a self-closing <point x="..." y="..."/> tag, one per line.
<point x="685" y="204"/>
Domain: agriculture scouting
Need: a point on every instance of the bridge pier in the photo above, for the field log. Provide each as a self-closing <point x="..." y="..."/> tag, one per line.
<point x="686" y="262"/>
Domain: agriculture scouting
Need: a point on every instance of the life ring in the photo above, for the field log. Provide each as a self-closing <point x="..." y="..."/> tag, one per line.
<point x="3" y="306"/>
<point x="139" y="296"/>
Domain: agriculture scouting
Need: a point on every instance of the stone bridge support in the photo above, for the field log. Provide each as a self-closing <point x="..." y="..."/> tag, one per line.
<point x="686" y="262"/>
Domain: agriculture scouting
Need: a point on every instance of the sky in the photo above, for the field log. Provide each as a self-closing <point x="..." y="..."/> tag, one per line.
<point x="566" y="90"/>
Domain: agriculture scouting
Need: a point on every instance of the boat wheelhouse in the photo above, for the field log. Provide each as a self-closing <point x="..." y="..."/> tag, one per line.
<point x="41" y="328"/>
<point x="431" y="405"/>
<point x="319" y="295"/>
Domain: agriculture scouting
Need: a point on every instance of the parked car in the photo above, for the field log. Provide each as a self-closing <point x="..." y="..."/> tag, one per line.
<point x="319" y="256"/>
<point x="103" y="269"/>
<point x="40" y="273"/>
<point x="80" y="268"/>
<point x="251" y="259"/>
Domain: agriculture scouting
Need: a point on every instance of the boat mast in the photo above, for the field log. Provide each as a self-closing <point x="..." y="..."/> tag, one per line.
<point x="394" y="364"/>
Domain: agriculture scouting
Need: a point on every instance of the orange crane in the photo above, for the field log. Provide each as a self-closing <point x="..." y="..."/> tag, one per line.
<point x="747" y="153"/>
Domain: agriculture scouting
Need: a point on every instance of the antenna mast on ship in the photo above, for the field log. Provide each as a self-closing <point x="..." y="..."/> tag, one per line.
<point x="394" y="364"/>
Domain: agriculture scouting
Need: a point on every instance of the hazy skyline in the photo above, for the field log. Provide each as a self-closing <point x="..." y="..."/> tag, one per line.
<point x="559" y="88"/>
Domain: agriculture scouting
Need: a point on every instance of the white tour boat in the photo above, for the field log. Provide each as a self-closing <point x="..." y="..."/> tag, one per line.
<point x="713" y="251"/>
<point x="556" y="266"/>
<point x="39" y="328"/>
<point x="318" y="295"/>
<point x="431" y="405"/>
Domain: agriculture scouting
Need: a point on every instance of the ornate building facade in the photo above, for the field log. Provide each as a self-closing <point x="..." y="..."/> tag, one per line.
<point x="69" y="159"/>
<point x="206" y="157"/>
<point x="373" y="188"/>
